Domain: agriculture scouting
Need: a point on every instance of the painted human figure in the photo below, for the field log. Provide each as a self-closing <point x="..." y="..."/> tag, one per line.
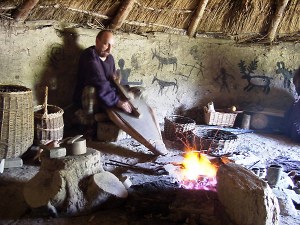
<point x="292" y="116"/>
<point x="222" y="79"/>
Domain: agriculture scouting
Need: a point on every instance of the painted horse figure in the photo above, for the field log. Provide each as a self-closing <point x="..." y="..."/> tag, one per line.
<point x="164" y="60"/>
<point x="163" y="84"/>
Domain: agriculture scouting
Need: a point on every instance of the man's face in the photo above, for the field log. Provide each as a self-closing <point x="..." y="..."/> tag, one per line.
<point x="104" y="44"/>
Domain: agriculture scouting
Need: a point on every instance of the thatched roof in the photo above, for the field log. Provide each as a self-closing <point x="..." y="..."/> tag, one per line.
<point x="255" y="20"/>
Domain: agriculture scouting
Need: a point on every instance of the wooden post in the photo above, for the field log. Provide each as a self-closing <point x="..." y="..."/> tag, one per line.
<point x="276" y="19"/>
<point x="197" y="17"/>
<point x="122" y="14"/>
<point x="23" y="11"/>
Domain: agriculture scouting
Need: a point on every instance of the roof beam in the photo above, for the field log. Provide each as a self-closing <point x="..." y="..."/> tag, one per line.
<point x="122" y="14"/>
<point x="23" y="11"/>
<point x="197" y="17"/>
<point x="276" y="19"/>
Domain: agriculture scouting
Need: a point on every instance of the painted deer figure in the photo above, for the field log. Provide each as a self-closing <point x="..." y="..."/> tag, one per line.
<point x="164" y="61"/>
<point x="287" y="74"/>
<point x="256" y="80"/>
<point x="163" y="84"/>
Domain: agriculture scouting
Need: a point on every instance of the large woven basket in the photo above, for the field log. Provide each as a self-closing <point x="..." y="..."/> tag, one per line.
<point x="49" y="126"/>
<point x="176" y="126"/>
<point x="16" y="120"/>
<point x="214" y="141"/>
<point x="219" y="118"/>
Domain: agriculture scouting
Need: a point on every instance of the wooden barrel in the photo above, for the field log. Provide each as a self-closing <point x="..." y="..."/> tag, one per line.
<point x="16" y="120"/>
<point x="49" y="126"/>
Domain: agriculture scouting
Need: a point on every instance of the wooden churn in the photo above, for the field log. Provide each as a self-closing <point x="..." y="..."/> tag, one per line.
<point x="48" y="122"/>
<point x="16" y="120"/>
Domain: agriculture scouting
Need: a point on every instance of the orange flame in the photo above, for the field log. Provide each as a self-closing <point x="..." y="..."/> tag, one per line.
<point x="195" y="165"/>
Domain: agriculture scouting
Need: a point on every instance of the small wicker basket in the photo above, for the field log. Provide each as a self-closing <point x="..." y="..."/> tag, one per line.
<point x="219" y="118"/>
<point x="175" y="126"/>
<point x="16" y="120"/>
<point x="216" y="142"/>
<point x="48" y="127"/>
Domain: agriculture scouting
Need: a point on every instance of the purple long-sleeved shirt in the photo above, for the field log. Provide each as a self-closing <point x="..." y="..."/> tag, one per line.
<point x="92" y="71"/>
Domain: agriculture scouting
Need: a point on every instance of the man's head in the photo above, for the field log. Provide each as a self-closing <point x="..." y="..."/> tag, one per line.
<point x="296" y="81"/>
<point x="104" y="42"/>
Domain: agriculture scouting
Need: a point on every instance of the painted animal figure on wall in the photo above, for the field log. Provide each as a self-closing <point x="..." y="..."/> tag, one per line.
<point x="164" y="60"/>
<point x="287" y="74"/>
<point x="259" y="81"/>
<point x="163" y="84"/>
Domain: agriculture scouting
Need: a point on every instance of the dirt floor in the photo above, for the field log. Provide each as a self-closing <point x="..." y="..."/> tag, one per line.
<point x="253" y="149"/>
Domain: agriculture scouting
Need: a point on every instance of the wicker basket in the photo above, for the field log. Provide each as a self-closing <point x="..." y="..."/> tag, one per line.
<point x="16" y="120"/>
<point x="175" y="126"/>
<point x="215" y="145"/>
<point x="219" y="118"/>
<point x="48" y="127"/>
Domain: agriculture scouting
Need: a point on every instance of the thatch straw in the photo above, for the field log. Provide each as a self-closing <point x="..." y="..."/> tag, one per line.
<point x="239" y="19"/>
<point x="290" y="21"/>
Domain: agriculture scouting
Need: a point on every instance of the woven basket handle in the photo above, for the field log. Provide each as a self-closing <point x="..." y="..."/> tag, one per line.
<point x="46" y="103"/>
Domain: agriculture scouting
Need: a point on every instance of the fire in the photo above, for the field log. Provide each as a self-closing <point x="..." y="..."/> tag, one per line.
<point x="196" y="164"/>
<point x="198" y="172"/>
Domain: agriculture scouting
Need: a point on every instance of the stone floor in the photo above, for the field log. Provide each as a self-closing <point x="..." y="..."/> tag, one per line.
<point x="253" y="147"/>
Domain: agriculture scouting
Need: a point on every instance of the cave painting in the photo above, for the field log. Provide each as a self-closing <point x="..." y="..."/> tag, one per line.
<point x="165" y="84"/>
<point x="286" y="73"/>
<point x="222" y="79"/>
<point x="125" y="73"/>
<point x="258" y="81"/>
<point x="164" y="60"/>
<point x="197" y="67"/>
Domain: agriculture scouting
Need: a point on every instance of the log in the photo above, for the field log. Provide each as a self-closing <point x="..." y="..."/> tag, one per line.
<point x="197" y="17"/>
<point x="108" y="183"/>
<point x="122" y="14"/>
<point x="63" y="183"/>
<point x="23" y="11"/>
<point x="276" y="19"/>
<point x="247" y="199"/>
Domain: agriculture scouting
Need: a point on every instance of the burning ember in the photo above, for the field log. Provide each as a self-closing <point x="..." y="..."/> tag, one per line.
<point x="198" y="172"/>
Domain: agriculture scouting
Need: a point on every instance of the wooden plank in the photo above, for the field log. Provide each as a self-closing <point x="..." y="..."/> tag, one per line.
<point x="144" y="129"/>
<point x="125" y="96"/>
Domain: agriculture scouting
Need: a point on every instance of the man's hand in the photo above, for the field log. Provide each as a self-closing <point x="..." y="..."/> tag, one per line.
<point x="125" y="106"/>
<point x="117" y="76"/>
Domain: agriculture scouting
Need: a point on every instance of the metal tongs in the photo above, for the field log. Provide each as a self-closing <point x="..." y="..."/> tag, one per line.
<point x="159" y="170"/>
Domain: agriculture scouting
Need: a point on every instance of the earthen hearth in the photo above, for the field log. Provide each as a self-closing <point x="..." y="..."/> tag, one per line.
<point x="152" y="199"/>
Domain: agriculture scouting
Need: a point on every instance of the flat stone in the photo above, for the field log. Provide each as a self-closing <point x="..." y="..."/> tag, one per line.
<point x="13" y="162"/>
<point x="57" y="152"/>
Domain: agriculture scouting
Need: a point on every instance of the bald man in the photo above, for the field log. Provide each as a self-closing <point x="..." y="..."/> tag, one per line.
<point x="96" y="91"/>
<point x="95" y="77"/>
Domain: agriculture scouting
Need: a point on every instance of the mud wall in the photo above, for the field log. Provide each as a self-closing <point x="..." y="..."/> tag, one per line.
<point x="179" y="74"/>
